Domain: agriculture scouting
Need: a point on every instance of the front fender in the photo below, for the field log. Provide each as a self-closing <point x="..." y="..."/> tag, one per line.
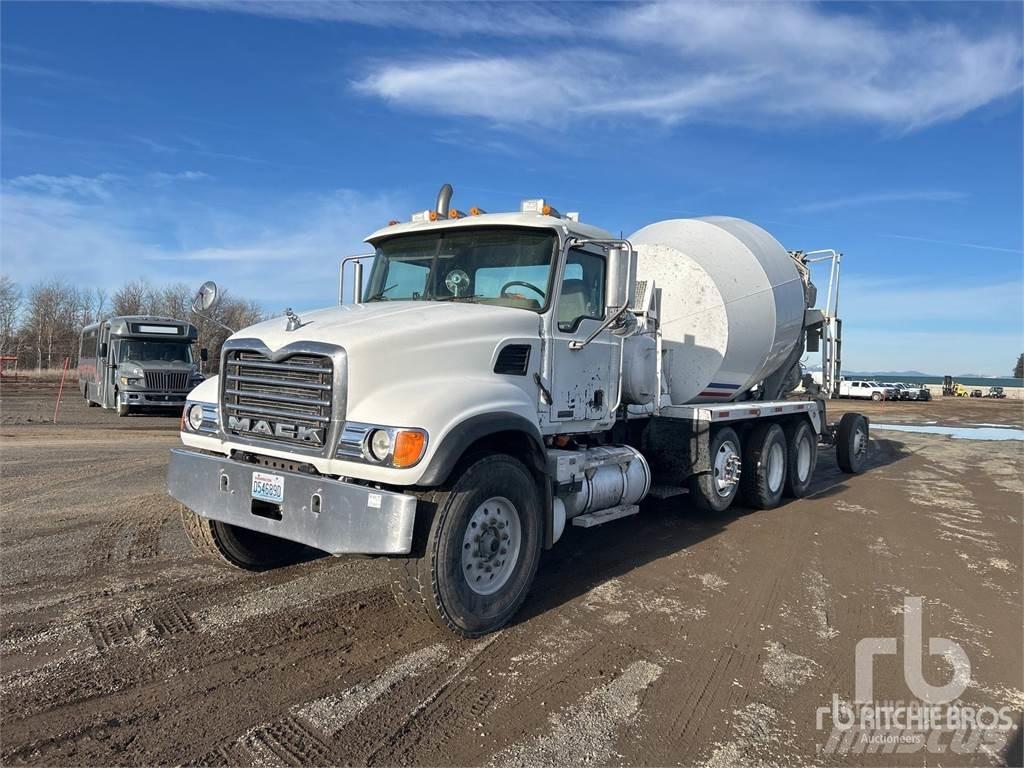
<point x="465" y="433"/>
<point x="455" y="412"/>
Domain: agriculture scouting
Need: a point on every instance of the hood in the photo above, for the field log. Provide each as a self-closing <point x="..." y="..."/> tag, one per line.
<point x="400" y="353"/>
<point x="403" y="323"/>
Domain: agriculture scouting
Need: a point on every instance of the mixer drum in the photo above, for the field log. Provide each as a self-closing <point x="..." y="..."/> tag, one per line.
<point x="732" y="304"/>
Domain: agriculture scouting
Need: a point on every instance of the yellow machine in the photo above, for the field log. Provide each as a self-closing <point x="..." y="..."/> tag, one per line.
<point x="951" y="388"/>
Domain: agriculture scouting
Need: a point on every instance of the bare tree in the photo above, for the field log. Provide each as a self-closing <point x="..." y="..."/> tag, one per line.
<point x="132" y="298"/>
<point x="10" y="303"/>
<point x="52" y="322"/>
<point x="47" y="325"/>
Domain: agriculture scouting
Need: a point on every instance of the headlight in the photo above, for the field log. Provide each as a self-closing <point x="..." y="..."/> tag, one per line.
<point x="126" y="380"/>
<point x="378" y="443"/>
<point x="194" y="417"/>
<point x="397" y="447"/>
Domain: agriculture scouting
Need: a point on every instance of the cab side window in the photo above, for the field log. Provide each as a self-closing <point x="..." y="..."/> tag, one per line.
<point x="582" y="294"/>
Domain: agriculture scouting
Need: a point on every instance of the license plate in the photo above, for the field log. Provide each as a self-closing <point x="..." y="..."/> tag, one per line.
<point x="267" y="487"/>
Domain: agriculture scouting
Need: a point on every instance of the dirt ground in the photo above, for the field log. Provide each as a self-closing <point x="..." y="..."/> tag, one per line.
<point x="673" y="637"/>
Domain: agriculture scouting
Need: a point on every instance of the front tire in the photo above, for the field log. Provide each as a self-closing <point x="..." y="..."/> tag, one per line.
<point x="715" y="491"/>
<point x="764" y="467"/>
<point x="240" y="547"/>
<point x="852" y="443"/>
<point x="477" y="549"/>
<point x="123" y="409"/>
<point x="802" y="456"/>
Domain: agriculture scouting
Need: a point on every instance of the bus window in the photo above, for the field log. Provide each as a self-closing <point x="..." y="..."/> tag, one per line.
<point x="140" y="351"/>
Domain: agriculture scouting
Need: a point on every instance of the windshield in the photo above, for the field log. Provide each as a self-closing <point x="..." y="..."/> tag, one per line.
<point x="138" y="351"/>
<point x="508" y="267"/>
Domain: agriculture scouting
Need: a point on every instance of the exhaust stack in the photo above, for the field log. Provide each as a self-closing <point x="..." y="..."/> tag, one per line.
<point x="444" y="198"/>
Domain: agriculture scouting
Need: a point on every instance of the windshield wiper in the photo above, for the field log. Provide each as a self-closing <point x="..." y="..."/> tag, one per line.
<point x="380" y="296"/>
<point x="461" y="298"/>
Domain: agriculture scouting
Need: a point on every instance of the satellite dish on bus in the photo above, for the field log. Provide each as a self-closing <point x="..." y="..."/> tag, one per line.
<point x="206" y="297"/>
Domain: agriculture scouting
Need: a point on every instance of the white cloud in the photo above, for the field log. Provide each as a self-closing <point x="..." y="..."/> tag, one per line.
<point x="976" y="246"/>
<point x="875" y="198"/>
<point x="162" y="178"/>
<point x="283" y="253"/>
<point x="446" y="18"/>
<point x="753" y="63"/>
<point x="97" y="187"/>
<point x="506" y="90"/>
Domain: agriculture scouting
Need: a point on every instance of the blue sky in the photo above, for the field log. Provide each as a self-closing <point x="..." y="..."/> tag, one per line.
<point x="256" y="143"/>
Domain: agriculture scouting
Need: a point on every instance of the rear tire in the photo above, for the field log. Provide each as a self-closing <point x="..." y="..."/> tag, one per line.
<point x="852" y="443"/>
<point x="764" y="467"/>
<point x="239" y="547"/>
<point x="477" y="548"/>
<point x="877" y="396"/>
<point x="802" y="456"/>
<point x="716" y="490"/>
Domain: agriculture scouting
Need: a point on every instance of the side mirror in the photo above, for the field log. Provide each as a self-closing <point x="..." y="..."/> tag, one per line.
<point x="620" y="280"/>
<point x="206" y="297"/>
<point x="102" y="352"/>
<point x="204" y="354"/>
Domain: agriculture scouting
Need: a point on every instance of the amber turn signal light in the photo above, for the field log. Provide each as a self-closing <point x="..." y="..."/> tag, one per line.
<point x="409" y="447"/>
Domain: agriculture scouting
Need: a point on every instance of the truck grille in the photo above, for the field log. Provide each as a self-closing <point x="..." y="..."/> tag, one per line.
<point x="287" y="401"/>
<point x="168" y="381"/>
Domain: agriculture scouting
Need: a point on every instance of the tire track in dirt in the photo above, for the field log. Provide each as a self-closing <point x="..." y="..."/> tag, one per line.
<point x="730" y="650"/>
<point x="132" y="533"/>
<point x="128" y="671"/>
<point x="586" y="731"/>
<point x="306" y="733"/>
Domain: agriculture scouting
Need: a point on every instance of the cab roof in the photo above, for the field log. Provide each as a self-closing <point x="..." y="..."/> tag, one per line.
<point x="531" y="220"/>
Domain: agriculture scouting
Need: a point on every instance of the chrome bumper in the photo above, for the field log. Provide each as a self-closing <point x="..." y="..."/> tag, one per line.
<point x="352" y="519"/>
<point x="155" y="398"/>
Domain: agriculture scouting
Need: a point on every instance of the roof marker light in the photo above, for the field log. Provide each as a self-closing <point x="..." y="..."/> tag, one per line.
<point x="539" y="207"/>
<point x="455" y="213"/>
<point x="474" y="211"/>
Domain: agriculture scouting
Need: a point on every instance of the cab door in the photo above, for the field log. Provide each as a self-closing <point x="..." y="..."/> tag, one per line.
<point x="105" y="368"/>
<point x="584" y="382"/>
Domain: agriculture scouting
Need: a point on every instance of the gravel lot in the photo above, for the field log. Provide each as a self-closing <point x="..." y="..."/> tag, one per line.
<point x="670" y="638"/>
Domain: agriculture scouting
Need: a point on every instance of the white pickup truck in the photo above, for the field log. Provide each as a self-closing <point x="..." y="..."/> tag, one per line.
<point x="504" y="376"/>
<point x="865" y="390"/>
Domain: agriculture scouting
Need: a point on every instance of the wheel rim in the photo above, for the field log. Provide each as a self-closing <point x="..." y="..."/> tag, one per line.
<point x="776" y="466"/>
<point x="727" y="468"/>
<point x="860" y="442"/>
<point x="803" y="459"/>
<point x="490" y="546"/>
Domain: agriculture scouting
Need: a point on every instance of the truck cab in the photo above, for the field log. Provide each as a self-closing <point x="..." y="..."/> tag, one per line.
<point x="496" y="379"/>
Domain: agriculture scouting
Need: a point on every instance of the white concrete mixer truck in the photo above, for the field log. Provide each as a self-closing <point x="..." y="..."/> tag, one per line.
<point x="500" y="376"/>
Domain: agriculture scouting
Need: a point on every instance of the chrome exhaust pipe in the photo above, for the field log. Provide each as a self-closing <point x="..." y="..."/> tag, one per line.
<point x="444" y="198"/>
